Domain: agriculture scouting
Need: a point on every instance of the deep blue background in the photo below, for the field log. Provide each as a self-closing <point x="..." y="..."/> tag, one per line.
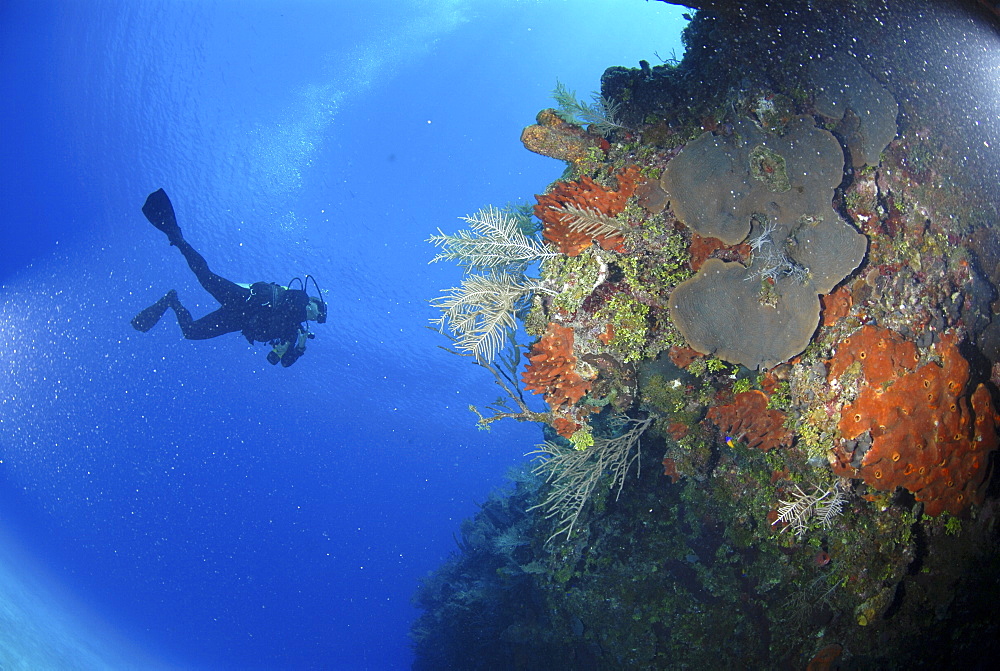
<point x="225" y="513"/>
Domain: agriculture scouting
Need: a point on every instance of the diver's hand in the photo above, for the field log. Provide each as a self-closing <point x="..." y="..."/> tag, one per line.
<point x="294" y="351"/>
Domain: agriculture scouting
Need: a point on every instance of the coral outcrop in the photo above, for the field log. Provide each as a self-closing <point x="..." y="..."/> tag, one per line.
<point x="924" y="435"/>
<point x="552" y="372"/>
<point x="560" y="228"/>
<point x="747" y="419"/>
<point x="554" y="137"/>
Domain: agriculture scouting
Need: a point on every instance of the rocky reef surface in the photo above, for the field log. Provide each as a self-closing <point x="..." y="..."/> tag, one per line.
<point x="766" y="334"/>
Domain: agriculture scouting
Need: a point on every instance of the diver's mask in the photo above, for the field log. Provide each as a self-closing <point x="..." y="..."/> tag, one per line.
<point x="316" y="307"/>
<point x="316" y="310"/>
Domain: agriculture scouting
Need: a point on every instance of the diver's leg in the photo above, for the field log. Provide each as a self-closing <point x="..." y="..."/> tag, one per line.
<point x="160" y="213"/>
<point x="149" y="317"/>
<point x="216" y="323"/>
<point x="222" y="290"/>
<point x="213" y="324"/>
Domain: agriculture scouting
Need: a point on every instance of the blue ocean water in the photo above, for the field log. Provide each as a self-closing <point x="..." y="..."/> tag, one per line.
<point x="215" y="511"/>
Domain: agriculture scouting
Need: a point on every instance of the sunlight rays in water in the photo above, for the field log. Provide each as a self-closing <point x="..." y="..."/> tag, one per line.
<point x="282" y="149"/>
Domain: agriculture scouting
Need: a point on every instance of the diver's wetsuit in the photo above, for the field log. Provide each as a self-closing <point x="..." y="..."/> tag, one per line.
<point x="263" y="312"/>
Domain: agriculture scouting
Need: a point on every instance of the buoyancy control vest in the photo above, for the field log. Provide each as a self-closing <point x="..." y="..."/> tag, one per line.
<point x="274" y="312"/>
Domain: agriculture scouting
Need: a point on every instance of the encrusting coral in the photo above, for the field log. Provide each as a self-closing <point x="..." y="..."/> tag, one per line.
<point x="554" y="137"/>
<point x="748" y="419"/>
<point x="585" y="194"/>
<point x="923" y="436"/>
<point x="552" y="371"/>
<point x="721" y="313"/>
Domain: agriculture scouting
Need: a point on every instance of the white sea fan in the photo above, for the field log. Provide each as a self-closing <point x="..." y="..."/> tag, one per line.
<point x="574" y="474"/>
<point x="589" y="221"/>
<point x="827" y="508"/>
<point x="601" y="114"/>
<point x="495" y="242"/>
<point x="823" y="504"/>
<point x="482" y="313"/>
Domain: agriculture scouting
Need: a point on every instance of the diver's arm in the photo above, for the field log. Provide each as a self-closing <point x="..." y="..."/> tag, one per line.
<point x="287" y="351"/>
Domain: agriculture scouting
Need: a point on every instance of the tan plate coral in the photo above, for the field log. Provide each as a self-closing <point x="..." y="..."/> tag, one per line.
<point x="775" y="191"/>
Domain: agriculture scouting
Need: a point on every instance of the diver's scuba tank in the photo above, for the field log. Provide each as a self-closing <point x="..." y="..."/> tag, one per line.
<point x="274" y="297"/>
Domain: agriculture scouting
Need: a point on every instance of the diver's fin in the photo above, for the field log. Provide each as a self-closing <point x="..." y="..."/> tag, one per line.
<point x="160" y="213"/>
<point x="149" y="317"/>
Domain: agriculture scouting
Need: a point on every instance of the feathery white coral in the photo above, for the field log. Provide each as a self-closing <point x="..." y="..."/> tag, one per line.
<point x="574" y="474"/>
<point x="510" y="539"/>
<point x="482" y="312"/>
<point x="589" y="221"/>
<point x="769" y="259"/>
<point x="823" y="504"/>
<point x="601" y="114"/>
<point x="495" y="241"/>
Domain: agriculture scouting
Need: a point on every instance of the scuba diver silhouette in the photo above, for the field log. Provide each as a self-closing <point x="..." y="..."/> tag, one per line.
<point x="262" y="311"/>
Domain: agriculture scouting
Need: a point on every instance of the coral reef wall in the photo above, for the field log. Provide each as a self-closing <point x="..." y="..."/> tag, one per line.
<point x="766" y="329"/>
